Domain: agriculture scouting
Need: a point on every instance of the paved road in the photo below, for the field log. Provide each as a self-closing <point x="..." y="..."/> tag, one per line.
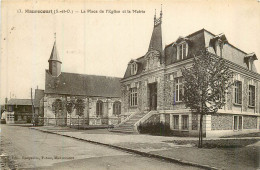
<point x="28" y="148"/>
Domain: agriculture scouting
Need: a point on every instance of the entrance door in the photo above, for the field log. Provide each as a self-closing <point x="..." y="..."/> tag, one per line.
<point x="153" y="96"/>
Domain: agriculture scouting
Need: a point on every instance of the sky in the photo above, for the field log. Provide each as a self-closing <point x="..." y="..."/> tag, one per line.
<point x="103" y="43"/>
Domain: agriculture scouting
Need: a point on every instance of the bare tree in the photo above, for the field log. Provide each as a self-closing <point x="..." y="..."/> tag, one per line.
<point x="70" y="107"/>
<point x="206" y="84"/>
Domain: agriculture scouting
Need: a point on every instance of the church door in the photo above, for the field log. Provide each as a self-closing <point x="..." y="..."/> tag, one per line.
<point x="153" y="96"/>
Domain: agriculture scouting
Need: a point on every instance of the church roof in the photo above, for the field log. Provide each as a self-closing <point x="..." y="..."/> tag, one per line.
<point x="54" y="53"/>
<point x="82" y="84"/>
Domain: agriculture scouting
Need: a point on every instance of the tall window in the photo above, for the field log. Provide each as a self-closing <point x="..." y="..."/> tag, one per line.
<point x="117" y="108"/>
<point x="178" y="93"/>
<point x="176" y="122"/>
<point x="182" y="51"/>
<point x="185" y="122"/>
<point x="251" y="95"/>
<point x="237" y="123"/>
<point x="238" y="92"/>
<point x="133" y="68"/>
<point x="133" y="97"/>
<point x="99" y="108"/>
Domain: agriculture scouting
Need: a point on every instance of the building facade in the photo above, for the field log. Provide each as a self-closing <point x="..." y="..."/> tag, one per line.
<point x="18" y="111"/>
<point x="71" y="98"/>
<point x="152" y="86"/>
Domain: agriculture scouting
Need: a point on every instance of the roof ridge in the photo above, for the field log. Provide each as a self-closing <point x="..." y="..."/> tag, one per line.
<point x="86" y="74"/>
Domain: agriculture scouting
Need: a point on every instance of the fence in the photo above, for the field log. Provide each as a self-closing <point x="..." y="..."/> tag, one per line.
<point x="79" y="122"/>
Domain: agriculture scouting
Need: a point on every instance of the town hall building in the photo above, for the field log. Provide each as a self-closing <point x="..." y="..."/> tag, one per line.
<point x="152" y="86"/>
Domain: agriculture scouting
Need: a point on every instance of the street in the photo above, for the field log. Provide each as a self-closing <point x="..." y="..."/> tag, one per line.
<point x="28" y="148"/>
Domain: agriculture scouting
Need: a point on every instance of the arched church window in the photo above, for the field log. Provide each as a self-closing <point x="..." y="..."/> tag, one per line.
<point x="99" y="108"/>
<point x="57" y="105"/>
<point x="117" y="108"/>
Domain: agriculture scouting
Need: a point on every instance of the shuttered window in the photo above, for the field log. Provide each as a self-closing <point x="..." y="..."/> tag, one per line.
<point x="251" y="95"/>
<point x="185" y="122"/>
<point x="176" y="122"/>
<point x="238" y="123"/>
<point x="238" y="92"/>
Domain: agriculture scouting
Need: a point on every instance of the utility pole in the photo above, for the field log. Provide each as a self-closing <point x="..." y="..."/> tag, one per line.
<point x="33" y="118"/>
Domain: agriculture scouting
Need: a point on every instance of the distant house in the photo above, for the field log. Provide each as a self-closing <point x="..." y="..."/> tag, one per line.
<point x="18" y="111"/>
<point x="100" y="96"/>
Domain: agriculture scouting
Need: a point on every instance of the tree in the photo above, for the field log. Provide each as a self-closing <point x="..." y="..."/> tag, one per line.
<point x="70" y="105"/>
<point x="57" y="106"/>
<point x="205" y="85"/>
<point x="80" y="106"/>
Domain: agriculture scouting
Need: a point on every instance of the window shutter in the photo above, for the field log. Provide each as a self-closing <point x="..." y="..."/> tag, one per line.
<point x="184" y="50"/>
<point x="240" y="92"/>
<point x="253" y="95"/>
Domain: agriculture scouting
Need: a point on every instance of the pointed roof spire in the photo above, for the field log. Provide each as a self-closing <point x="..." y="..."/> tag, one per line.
<point x="161" y="12"/>
<point x="156" y="39"/>
<point x="54" y="53"/>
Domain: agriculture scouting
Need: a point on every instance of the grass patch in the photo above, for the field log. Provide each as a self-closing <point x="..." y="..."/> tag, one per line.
<point x="219" y="143"/>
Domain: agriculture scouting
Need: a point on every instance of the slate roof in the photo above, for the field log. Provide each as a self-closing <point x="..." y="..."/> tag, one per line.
<point x="197" y="41"/>
<point x="19" y="102"/>
<point x="82" y="84"/>
<point x="156" y="39"/>
<point x="54" y="53"/>
<point x="39" y="94"/>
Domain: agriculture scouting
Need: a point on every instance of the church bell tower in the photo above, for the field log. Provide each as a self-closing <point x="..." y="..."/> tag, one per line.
<point x="54" y="61"/>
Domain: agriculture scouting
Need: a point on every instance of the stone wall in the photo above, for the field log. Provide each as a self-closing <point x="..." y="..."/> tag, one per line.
<point x="221" y="122"/>
<point x="153" y="119"/>
<point x="249" y="122"/>
<point x="89" y="115"/>
<point x="168" y="92"/>
<point x="245" y="94"/>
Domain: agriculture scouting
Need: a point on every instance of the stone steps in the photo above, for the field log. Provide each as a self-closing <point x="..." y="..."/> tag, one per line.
<point x="128" y="126"/>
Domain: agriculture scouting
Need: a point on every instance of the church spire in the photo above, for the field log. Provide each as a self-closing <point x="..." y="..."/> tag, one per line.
<point x="54" y="60"/>
<point x="156" y="39"/>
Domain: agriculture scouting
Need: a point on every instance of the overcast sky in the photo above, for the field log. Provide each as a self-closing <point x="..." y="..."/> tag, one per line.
<point x="103" y="43"/>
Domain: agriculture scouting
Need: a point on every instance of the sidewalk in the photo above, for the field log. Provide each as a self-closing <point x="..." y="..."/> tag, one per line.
<point x="163" y="148"/>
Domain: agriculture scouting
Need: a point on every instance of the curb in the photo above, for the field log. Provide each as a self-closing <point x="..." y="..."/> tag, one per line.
<point x="149" y="155"/>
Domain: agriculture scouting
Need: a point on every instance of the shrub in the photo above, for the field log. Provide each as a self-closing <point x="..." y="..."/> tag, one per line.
<point x="155" y="128"/>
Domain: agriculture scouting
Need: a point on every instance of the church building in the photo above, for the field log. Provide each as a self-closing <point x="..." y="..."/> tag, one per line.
<point x="152" y="86"/>
<point x="71" y="98"/>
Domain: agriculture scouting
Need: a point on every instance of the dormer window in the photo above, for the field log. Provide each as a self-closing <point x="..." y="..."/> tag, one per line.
<point x="134" y="68"/>
<point x="249" y="59"/>
<point x="182" y="51"/>
<point x="217" y="43"/>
